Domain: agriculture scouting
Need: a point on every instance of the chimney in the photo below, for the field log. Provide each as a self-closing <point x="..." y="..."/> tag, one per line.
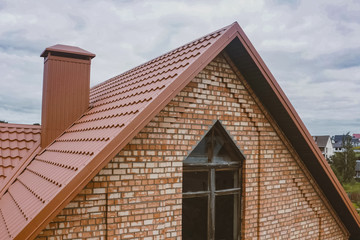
<point x="66" y="89"/>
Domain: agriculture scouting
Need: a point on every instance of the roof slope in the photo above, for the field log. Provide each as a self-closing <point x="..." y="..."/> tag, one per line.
<point x="321" y="141"/>
<point x="119" y="109"/>
<point x="15" y="141"/>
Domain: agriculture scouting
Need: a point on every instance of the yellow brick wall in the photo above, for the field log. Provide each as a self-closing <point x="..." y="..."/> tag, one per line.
<point x="138" y="194"/>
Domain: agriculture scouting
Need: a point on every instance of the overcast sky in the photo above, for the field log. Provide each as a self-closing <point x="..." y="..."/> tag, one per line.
<point x="311" y="47"/>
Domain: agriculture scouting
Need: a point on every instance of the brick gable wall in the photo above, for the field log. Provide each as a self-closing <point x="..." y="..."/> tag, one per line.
<point x="138" y="194"/>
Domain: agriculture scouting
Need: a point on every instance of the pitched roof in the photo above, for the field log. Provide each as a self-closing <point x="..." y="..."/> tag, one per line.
<point x="338" y="144"/>
<point x="15" y="142"/>
<point x="338" y="138"/>
<point x="122" y="106"/>
<point x="321" y="141"/>
<point x="356" y="135"/>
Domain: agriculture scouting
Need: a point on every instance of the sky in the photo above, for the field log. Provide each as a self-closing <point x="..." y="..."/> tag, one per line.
<point x="311" y="47"/>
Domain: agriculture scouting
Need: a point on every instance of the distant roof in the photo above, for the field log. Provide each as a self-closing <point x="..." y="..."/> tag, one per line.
<point x="356" y="135"/>
<point x="339" y="141"/>
<point x="338" y="138"/>
<point x="123" y="105"/>
<point x="338" y="144"/>
<point x="15" y="141"/>
<point x="321" y="141"/>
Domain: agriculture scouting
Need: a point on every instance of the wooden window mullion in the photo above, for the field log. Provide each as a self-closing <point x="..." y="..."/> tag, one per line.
<point x="212" y="205"/>
<point x="212" y="190"/>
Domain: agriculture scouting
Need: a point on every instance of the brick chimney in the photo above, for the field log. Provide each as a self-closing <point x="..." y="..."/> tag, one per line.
<point x="66" y="89"/>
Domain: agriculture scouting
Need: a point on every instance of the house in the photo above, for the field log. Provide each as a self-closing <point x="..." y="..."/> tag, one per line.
<point x="199" y="143"/>
<point x="325" y="145"/>
<point x="338" y="142"/>
<point x="357" y="169"/>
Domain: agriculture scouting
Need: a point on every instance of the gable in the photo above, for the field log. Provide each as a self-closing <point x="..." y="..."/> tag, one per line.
<point x="248" y="62"/>
<point x="141" y="186"/>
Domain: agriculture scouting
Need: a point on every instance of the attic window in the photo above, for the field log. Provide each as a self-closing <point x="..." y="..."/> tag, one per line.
<point x="212" y="188"/>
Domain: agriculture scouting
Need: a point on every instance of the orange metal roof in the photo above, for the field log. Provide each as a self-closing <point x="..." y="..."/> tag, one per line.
<point x="119" y="109"/>
<point x="15" y="141"/>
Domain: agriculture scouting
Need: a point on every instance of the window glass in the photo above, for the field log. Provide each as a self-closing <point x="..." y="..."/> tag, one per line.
<point x="195" y="181"/>
<point x="225" y="179"/>
<point x="194" y="218"/>
<point x="200" y="152"/>
<point x="224" y="217"/>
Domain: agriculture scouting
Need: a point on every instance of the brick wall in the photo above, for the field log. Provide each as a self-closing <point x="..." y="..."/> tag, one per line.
<point x="138" y="194"/>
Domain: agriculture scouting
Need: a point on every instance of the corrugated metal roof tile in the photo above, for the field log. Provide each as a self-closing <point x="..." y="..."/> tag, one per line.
<point x="38" y="186"/>
<point x="15" y="141"/>
<point x="13" y="217"/>
<point x="4" y="232"/>
<point x="28" y="202"/>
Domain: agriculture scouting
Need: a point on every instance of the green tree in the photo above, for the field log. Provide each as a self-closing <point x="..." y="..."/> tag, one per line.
<point x="344" y="162"/>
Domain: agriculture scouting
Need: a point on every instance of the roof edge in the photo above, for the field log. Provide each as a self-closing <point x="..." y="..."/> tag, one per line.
<point x="296" y="119"/>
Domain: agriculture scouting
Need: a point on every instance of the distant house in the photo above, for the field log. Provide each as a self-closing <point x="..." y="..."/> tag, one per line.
<point x="338" y="142"/>
<point x="356" y="135"/>
<point x="325" y="145"/>
<point x="355" y="142"/>
<point x="198" y="143"/>
<point x="357" y="169"/>
<point x="338" y="146"/>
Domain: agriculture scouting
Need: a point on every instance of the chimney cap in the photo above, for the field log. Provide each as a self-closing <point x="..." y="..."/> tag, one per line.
<point x="59" y="48"/>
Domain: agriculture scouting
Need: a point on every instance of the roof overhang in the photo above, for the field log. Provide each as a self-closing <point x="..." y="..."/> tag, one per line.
<point x="258" y="76"/>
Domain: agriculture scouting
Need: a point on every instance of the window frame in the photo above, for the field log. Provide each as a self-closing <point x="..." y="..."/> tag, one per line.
<point x="212" y="166"/>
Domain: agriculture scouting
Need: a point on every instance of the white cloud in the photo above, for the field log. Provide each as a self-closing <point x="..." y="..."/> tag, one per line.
<point x="312" y="47"/>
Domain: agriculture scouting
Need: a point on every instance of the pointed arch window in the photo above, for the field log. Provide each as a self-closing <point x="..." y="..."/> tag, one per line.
<point x="212" y="188"/>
